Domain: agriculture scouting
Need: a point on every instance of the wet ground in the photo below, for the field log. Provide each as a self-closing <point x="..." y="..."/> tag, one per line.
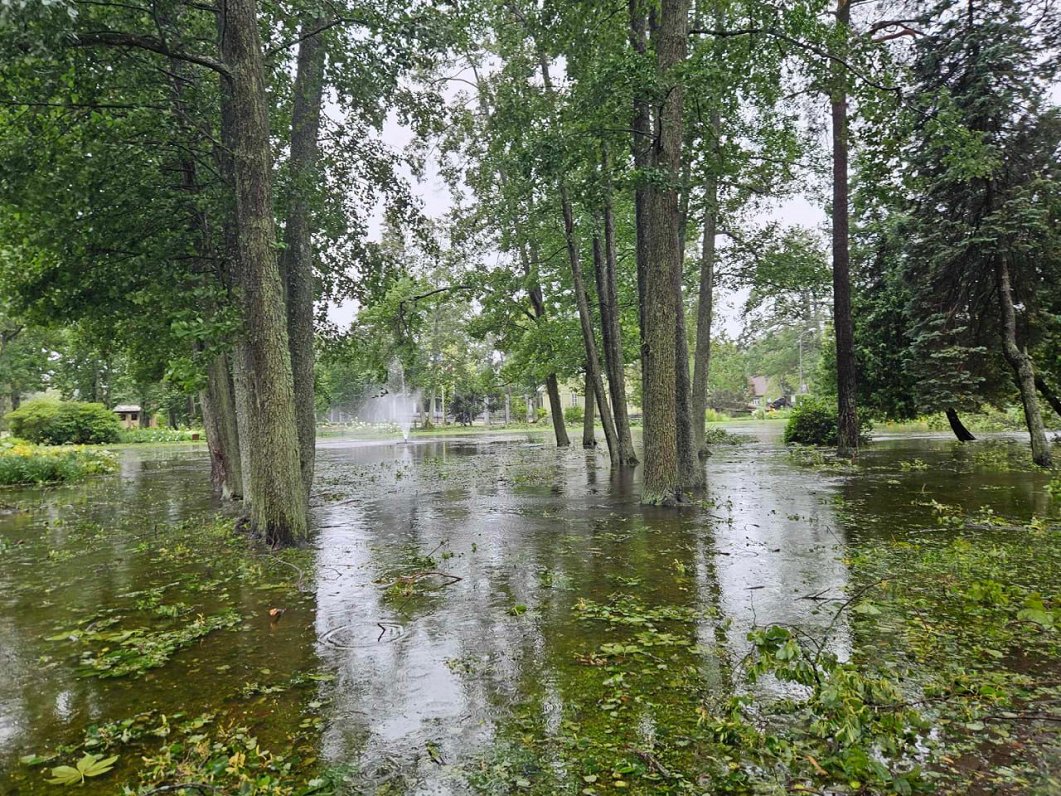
<point x="450" y="580"/>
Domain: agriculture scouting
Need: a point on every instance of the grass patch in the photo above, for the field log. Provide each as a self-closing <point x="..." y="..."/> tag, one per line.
<point x="139" y="436"/>
<point x="22" y="463"/>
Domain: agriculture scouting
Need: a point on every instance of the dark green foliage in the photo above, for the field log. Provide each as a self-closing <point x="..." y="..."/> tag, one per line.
<point x="50" y="422"/>
<point x="574" y="414"/>
<point x="812" y="422"/>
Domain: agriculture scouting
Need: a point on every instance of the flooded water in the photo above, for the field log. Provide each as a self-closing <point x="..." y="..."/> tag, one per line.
<point x="445" y="615"/>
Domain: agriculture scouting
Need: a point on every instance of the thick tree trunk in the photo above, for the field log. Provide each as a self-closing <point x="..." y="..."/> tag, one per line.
<point x="843" y="326"/>
<point x="1021" y="363"/>
<point x="611" y="329"/>
<point x="958" y="427"/>
<point x="278" y="512"/>
<point x="589" y="436"/>
<point x="1048" y="394"/>
<point x="296" y="260"/>
<point x="219" y="423"/>
<point x="705" y="313"/>
<point x="662" y="481"/>
<point x="585" y="318"/>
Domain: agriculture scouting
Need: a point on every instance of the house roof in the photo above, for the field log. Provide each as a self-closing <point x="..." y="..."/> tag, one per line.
<point x="126" y="408"/>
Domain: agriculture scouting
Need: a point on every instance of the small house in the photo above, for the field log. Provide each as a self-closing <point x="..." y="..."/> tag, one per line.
<point x="129" y="415"/>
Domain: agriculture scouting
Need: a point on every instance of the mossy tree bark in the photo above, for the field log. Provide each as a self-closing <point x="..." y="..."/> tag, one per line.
<point x="705" y="314"/>
<point x="278" y="511"/>
<point x="296" y="260"/>
<point x="663" y="476"/>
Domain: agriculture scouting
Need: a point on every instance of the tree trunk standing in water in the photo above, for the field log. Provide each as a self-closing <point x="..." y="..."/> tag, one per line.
<point x="1021" y="363"/>
<point x="237" y="357"/>
<point x="692" y="474"/>
<point x="662" y="482"/>
<point x="611" y="329"/>
<point x="843" y="326"/>
<point x="589" y="436"/>
<point x="705" y="308"/>
<point x="278" y="511"/>
<point x="537" y="300"/>
<point x="585" y="318"/>
<point x="219" y="423"/>
<point x="958" y="427"/>
<point x="296" y="260"/>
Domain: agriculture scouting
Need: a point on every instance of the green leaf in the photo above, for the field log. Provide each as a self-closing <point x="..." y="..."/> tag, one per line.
<point x="66" y="775"/>
<point x="93" y="766"/>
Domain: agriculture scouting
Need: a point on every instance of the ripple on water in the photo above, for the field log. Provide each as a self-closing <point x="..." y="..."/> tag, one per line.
<point x="363" y="634"/>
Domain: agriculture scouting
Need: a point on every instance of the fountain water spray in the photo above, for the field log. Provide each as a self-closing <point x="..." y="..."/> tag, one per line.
<point x="393" y="404"/>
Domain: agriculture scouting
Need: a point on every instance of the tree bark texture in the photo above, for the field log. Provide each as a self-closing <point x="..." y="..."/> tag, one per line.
<point x="1021" y="363"/>
<point x="278" y="512"/>
<point x="843" y="325"/>
<point x="585" y="318"/>
<point x="296" y="260"/>
<point x="662" y="478"/>
<point x="222" y="435"/>
<point x="589" y="436"/>
<point x="705" y="313"/>
<point x="612" y="333"/>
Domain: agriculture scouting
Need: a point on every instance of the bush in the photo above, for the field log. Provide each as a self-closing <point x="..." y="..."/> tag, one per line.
<point x="574" y="414"/>
<point x="813" y="422"/>
<point x="48" y="422"/>
<point x="131" y="436"/>
<point x="23" y="463"/>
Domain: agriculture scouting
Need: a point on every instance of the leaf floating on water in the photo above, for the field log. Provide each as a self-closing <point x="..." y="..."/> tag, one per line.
<point x="88" y="766"/>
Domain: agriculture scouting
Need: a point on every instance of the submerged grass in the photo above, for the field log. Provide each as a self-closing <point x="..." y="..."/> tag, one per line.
<point x="23" y="463"/>
<point x="952" y="687"/>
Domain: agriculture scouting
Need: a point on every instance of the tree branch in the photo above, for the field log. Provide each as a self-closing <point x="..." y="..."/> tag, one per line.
<point x="811" y="48"/>
<point x="114" y="38"/>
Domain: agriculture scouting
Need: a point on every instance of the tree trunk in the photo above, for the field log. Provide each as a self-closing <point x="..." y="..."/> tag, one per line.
<point x="589" y="340"/>
<point x="958" y="427"/>
<point x="843" y="326"/>
<point x="1048" y="394"/>
<point x="529" y="257"/>
<point x="1021" y="363"/>
<point x="296" y="260"/>
<point x="705" y="310"/>
<point x="611" y="328"/>
<point x="589" y="436"/>
<point x="556" y="411"/>
<point x="641" y="138"/>
<point x="692" y="474"/>
<point x="278" y="512"/>
<point x="662" y="481"/>
<point x="219" y="423"/>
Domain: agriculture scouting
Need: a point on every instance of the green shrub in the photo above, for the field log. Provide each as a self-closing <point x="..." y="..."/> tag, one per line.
<point x="714" y="416"/>
<point x="23" y="463"/>
<point x="131" y="436"/>
<point x="574" y="414"/>
<point x="49" y="422"/>
<point x="813" y="422"/>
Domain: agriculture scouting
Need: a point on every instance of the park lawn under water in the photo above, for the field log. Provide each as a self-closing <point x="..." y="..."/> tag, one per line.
<point x="492" y="615"/>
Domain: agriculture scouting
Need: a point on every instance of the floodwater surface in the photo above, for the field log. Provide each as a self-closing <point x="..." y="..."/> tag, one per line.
<point x="456" y="594"/>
